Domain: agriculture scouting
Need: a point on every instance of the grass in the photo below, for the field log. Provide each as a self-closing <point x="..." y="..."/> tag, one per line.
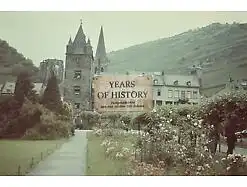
<point x="21" y="154"/>
<point x="100" y="165"/>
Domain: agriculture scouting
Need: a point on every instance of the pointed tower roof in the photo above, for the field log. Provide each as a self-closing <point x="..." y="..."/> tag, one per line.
<point x="70" y="41"/>
<point x="80" y="36"/>
<point x="101" y="52"/>
<point x="88" y="41"/>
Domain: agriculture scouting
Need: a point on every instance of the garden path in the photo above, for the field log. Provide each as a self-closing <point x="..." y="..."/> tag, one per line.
<point x="69" y="160"/>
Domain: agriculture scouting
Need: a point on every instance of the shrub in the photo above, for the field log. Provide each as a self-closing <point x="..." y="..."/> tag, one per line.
<point x="89" y="119"/>
<point x="50" y="127"/>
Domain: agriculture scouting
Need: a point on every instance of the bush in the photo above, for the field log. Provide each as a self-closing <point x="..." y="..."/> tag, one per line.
<point x="89" y="120"/>
<point x="50" y="127"/>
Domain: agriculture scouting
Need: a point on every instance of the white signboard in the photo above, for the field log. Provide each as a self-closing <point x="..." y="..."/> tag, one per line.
<point x="122" y="93"/>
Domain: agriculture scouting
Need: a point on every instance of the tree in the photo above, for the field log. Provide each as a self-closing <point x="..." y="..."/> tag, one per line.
<point x="51" y="98"/>
<point x="24" y="88"/>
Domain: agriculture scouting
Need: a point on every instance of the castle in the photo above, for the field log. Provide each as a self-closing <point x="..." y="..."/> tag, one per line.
<point x="80" y="67"/>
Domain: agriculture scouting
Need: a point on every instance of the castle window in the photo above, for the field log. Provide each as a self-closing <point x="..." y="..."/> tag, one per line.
<point x="77" y="74"/>
<point x="102" y="69"/>
<point x="170" y="94"/>
<point x="77" y="60"/>
<point x="195" y="94"/>
<point x="77" y="90"/>
<point x="95" y="70"/>
<point x="158" y="92"/>
<point x="77" y="105"/>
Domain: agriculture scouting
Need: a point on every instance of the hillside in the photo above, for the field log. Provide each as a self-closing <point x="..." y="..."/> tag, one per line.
<point x="221" y="49"/>
<point x="12" y="62"/>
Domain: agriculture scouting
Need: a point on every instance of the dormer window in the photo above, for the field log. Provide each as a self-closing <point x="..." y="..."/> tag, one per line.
<point x="175" y="82"/>
<point x="155" y="81"/>
<point x="188" y="83"/>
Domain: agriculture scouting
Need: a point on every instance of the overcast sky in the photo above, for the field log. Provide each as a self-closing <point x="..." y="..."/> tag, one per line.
<point x="42" y="35"/>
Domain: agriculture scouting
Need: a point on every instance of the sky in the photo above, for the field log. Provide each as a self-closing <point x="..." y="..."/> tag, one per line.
<point x="42" y="35"/>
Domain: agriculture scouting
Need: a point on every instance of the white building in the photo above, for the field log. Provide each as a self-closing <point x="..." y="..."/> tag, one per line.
<point x="175" y="89"/>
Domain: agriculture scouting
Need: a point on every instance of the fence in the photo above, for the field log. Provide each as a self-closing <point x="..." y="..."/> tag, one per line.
<point x="23" y="170"/>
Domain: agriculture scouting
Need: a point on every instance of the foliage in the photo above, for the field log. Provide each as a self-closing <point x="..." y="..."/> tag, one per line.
<point x="13" y="63"/>
<point x="50" y="127"/>
<point x="176" y="138"/>
<point x="112" y="117"/>
<point x="16" y="120"/>
<point x="219" y="47"/>
<point x="32" y="121"/>
<point x="24" y="88"/>
<point x="216" y="111"/>
<point x="51" y="98"/>
<point x="89" y="119"/>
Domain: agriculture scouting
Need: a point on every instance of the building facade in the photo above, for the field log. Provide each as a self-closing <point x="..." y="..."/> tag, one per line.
<point x="48" y="65"/>
<point x="80" y="67"/>
<point x="9" y="88"/>
<point x="175" y="89"/>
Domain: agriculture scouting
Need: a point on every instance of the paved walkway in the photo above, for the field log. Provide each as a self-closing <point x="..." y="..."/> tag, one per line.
<point x="237" y="150"/>
<point x="69" y="160"/>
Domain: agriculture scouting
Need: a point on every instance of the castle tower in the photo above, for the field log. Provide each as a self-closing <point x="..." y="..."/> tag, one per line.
<point x="101" y="61"/>
<point x="78" y="72"/>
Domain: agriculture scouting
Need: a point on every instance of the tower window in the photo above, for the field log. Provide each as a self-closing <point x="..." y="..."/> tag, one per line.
<point x="77" y="74"/>
<point x="77" y="60"/>
<point x="77" y="90"/>
<point x="158" y="92"/>
<point x="95" y="70"/>
<point x="77" y="105"/>
<point x="102" y="69"/>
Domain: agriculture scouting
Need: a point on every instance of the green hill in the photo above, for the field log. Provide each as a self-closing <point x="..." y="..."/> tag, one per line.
<point x="221" y="49"/>
<point x="12" y="62"/>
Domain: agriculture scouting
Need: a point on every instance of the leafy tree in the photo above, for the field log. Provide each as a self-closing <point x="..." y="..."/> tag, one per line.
<point x="51" y="98"/>
<point x="24" y="88"/>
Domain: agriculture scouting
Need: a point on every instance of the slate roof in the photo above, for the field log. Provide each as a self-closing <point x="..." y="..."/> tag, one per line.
<point x="9" y="88"/>
<point x="182" y="80"/>
<point x="169" y="80"/>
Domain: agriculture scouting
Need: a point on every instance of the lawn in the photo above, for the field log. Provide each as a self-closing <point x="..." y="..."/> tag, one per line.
<point x="20" y="154"/>
<point x="100" y="165"/>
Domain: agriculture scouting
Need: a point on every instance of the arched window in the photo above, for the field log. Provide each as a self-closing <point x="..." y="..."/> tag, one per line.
<point x="95" y="70"/>
<point x="158" y="92"/>
<point x="102" y="69"/>
<point x="155" y="81"/>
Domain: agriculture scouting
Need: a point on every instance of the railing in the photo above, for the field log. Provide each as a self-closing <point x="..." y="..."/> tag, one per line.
<point x="35" y="160"/>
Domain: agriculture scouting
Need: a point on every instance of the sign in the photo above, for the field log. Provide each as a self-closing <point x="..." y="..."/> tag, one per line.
<point x="122" y="93"/>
